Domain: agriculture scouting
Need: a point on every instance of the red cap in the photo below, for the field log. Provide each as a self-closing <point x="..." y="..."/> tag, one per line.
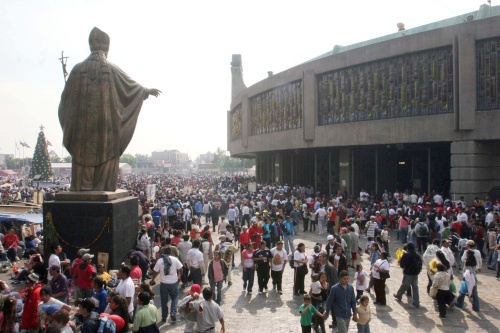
<point x="195" y="288"/>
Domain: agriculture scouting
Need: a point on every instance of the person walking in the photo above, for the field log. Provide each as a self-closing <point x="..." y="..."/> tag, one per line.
<point x="300" y="269"/>
<point x="278" y="264"/>
<point x="411" y="263"/>
<point x="262" y="259"/>
<point x="170" y="270"/>
<point x="217" y="274"/>
<point x="195" y="263"/>
<point x="343" y="302"/>
<point x="248" y="268"/>
<point x="288" y="234"/>
<point x="379" y="275"/>
<point x="208" y="313"/>
<point x="441" y="289"/>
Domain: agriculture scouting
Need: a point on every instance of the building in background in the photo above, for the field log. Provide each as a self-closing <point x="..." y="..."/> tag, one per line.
<point x="173" y="156"/>
<point x="415" y="110"/>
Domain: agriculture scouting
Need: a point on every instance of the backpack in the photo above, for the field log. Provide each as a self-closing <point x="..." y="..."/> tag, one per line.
<point x="316" y="266"/>
<point x="418" y="263"/>
<point x="106" y="325"/>
<point x="462" y="242"/>
<point x="423" y="230"/>
<point x="291" y="262"/>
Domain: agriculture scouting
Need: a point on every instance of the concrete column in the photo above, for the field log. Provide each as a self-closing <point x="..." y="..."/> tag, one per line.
<point x="467" y="98"/>
<point x="475" y="168"/>
<point x="345" y="169"/>
<point x="309" y="104"/>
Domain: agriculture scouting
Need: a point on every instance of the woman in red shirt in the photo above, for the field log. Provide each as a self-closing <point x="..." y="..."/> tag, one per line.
<point x="244" y="238"/>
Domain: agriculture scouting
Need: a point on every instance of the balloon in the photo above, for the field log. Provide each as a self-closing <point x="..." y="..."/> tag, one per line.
<point x="156" y="249"/>
<point x="119" y="322"/>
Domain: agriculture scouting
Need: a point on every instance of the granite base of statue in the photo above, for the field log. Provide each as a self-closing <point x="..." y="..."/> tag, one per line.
<point x="98" y="113"/>
<point x="100" y="221"/>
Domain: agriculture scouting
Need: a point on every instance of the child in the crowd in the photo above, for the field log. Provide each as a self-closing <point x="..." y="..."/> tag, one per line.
<point x="368" y="245"/>
<point x="237" y="232"/>
<point x="361" y="279"/>
<point x="364" y="315"/>
<point x="306" y="311"/>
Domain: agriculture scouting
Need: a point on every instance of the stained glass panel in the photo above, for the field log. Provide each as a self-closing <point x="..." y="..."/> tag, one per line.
<point x="409" y="85"/>
<point x="236" y="123"/>
<point x="488" y="71"/>
<point x="276" y="110"/>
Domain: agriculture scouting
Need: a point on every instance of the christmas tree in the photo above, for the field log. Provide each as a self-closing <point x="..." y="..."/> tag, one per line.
<point x="41" y="160"/>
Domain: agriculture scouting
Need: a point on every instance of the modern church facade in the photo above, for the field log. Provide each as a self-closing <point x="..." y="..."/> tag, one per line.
<point x="416" y="110"/>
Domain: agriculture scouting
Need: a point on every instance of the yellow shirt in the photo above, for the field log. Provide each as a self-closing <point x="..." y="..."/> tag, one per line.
<point x="364" y="314"/>
<point x="105" y="276"/>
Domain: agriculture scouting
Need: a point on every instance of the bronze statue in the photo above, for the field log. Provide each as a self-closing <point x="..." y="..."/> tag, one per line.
<point x="98" y="114"/>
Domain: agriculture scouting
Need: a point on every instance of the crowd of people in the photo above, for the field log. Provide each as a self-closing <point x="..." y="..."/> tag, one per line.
<point x="177" y="247"/>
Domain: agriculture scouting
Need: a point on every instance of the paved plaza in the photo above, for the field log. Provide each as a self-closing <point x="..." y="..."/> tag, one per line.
<point x="274" y="313"/>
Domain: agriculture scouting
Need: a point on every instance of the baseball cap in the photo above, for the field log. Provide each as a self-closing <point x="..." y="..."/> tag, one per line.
<point x="195" y="288"/>
<point x="470" y="242"/>
<point x="280" y="242"/>
<point x="87" y="256"/>
<point x="50" y="309"/>
<point x="100" y="266"/>
<point x="55" y="268"/>
<point x="81" y="252"/>
<point x="33" y="278"/>
<point x="330" y="237"/>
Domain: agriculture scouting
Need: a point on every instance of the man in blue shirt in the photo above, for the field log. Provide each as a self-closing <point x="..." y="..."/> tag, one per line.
<point x="198" y="208"/>
<point x="342" y="300"/>
<point x="156" y="214"/>
<point x="288" y="233"/>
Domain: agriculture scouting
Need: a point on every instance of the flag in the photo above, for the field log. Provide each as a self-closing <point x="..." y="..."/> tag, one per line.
<point x="48" y="143"/>
<point x="25" y="144"/>
<point x="17" y="146"/>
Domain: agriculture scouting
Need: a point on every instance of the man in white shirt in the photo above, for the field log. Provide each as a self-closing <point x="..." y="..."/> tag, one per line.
<point x="208" y="313"/>
<point x="54" y="259"/>
<point x="462" y="216"/>
<point x="278" y="265"/>
<point x="471" y="245"/>
<point x="170" y="270"/>
<point x="321" y="214"/>
<point x="126" y="288"/>
<point x="195" y="263"/>
<point x="445" y="248"/>
<point x="489" y="217"/>
<point x="438" y="199"/>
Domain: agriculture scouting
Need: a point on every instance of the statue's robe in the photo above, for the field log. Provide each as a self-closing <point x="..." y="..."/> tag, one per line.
<point x="98" y="113"/>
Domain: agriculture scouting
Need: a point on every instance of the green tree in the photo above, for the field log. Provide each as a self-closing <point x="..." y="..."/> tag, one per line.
<point x="55" y="159"/>
<point x="41" y="161"/>
<point x="67" y="159"/>
<point x="220" y="156"/>
<point x="130" y="159"/>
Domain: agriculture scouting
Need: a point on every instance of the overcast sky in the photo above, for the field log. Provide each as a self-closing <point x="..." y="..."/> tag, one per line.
<point x="183" y="48"/>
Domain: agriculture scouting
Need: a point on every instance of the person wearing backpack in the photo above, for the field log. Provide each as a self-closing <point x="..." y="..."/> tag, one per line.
<point x="411" y="263"/>
<point x="422" y="232"/>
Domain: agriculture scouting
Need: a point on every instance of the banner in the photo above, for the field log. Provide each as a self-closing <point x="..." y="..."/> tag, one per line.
<point x="151" y="192"/>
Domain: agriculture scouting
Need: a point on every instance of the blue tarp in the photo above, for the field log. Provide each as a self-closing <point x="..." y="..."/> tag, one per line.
<point x="22" y="217"/>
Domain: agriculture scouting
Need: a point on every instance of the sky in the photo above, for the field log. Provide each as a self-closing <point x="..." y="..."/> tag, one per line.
<point x="183" y="48"/>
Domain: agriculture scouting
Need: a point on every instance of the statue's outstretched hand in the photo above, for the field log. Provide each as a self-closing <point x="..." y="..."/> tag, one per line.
<point x="155" y="92"/>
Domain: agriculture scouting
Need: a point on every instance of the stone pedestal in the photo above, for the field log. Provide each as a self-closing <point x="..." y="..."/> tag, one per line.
<point x="108" y="226"/>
